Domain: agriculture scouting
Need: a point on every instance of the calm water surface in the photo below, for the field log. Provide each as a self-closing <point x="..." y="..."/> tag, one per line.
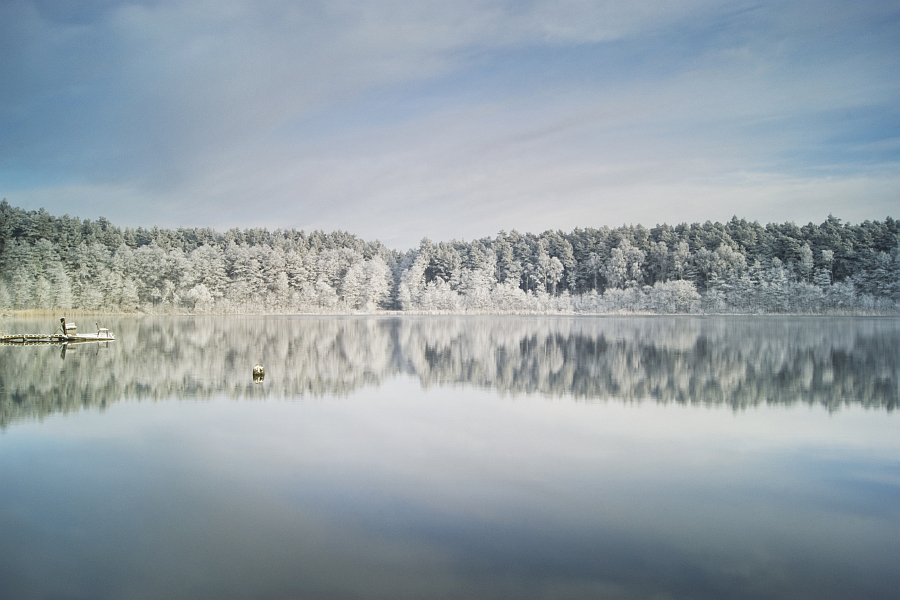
<point x="447" y="457"/>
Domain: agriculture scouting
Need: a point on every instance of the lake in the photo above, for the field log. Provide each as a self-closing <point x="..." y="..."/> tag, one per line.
<point x="453" y="457"/>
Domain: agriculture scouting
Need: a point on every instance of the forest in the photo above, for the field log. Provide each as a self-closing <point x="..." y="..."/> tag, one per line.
<point x="51" y="262"/>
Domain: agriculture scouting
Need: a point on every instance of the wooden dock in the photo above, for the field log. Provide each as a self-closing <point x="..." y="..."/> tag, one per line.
<point x="32" y="339"/>
<point x="65" y="334"/>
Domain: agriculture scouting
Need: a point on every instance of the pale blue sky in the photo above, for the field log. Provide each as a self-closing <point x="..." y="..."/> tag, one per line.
<point x="398" y="120"/>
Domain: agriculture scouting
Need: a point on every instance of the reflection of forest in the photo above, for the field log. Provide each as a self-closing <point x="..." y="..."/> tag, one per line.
<point x="734" y="361"/>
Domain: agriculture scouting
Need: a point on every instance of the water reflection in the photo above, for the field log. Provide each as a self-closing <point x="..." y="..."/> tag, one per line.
<point x="738" y="362"/>
<point x="422" y="483"/>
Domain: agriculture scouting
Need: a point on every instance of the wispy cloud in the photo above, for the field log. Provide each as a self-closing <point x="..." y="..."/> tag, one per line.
<point x="399" y="120"/>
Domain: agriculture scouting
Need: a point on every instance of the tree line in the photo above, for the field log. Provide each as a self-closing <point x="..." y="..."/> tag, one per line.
<point x="50" y="262"/>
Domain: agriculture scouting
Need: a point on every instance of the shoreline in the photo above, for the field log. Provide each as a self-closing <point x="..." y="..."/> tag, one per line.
<point x="77" y="313"/>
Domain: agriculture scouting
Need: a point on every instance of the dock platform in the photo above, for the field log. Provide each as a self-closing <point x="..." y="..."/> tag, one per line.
<point x="65" y="334"/>
<point x="32" y="338"/>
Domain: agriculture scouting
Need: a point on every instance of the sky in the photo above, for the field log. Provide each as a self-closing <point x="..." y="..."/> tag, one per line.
<point x="399" y="119"/>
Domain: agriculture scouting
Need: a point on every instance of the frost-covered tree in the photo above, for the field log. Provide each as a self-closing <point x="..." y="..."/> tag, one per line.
<point x="594" y="267"/>
<point x="805" y="265"/>
<point x="615" y="271"/>
<point x="623" y="268"/>
<point x="413" y="279"/>
<point x="377" y="287"/>
<point x="673" y="297"/>
<point x="658" y="262"/>
<point x="681" y="261"/>
<point x="206" y="266"/>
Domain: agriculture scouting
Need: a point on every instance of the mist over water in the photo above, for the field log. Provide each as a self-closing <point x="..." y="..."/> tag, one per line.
<point x="453" y="457"/>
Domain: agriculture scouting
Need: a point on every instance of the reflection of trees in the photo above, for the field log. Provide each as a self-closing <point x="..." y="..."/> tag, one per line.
<point x="738" y="362"/>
